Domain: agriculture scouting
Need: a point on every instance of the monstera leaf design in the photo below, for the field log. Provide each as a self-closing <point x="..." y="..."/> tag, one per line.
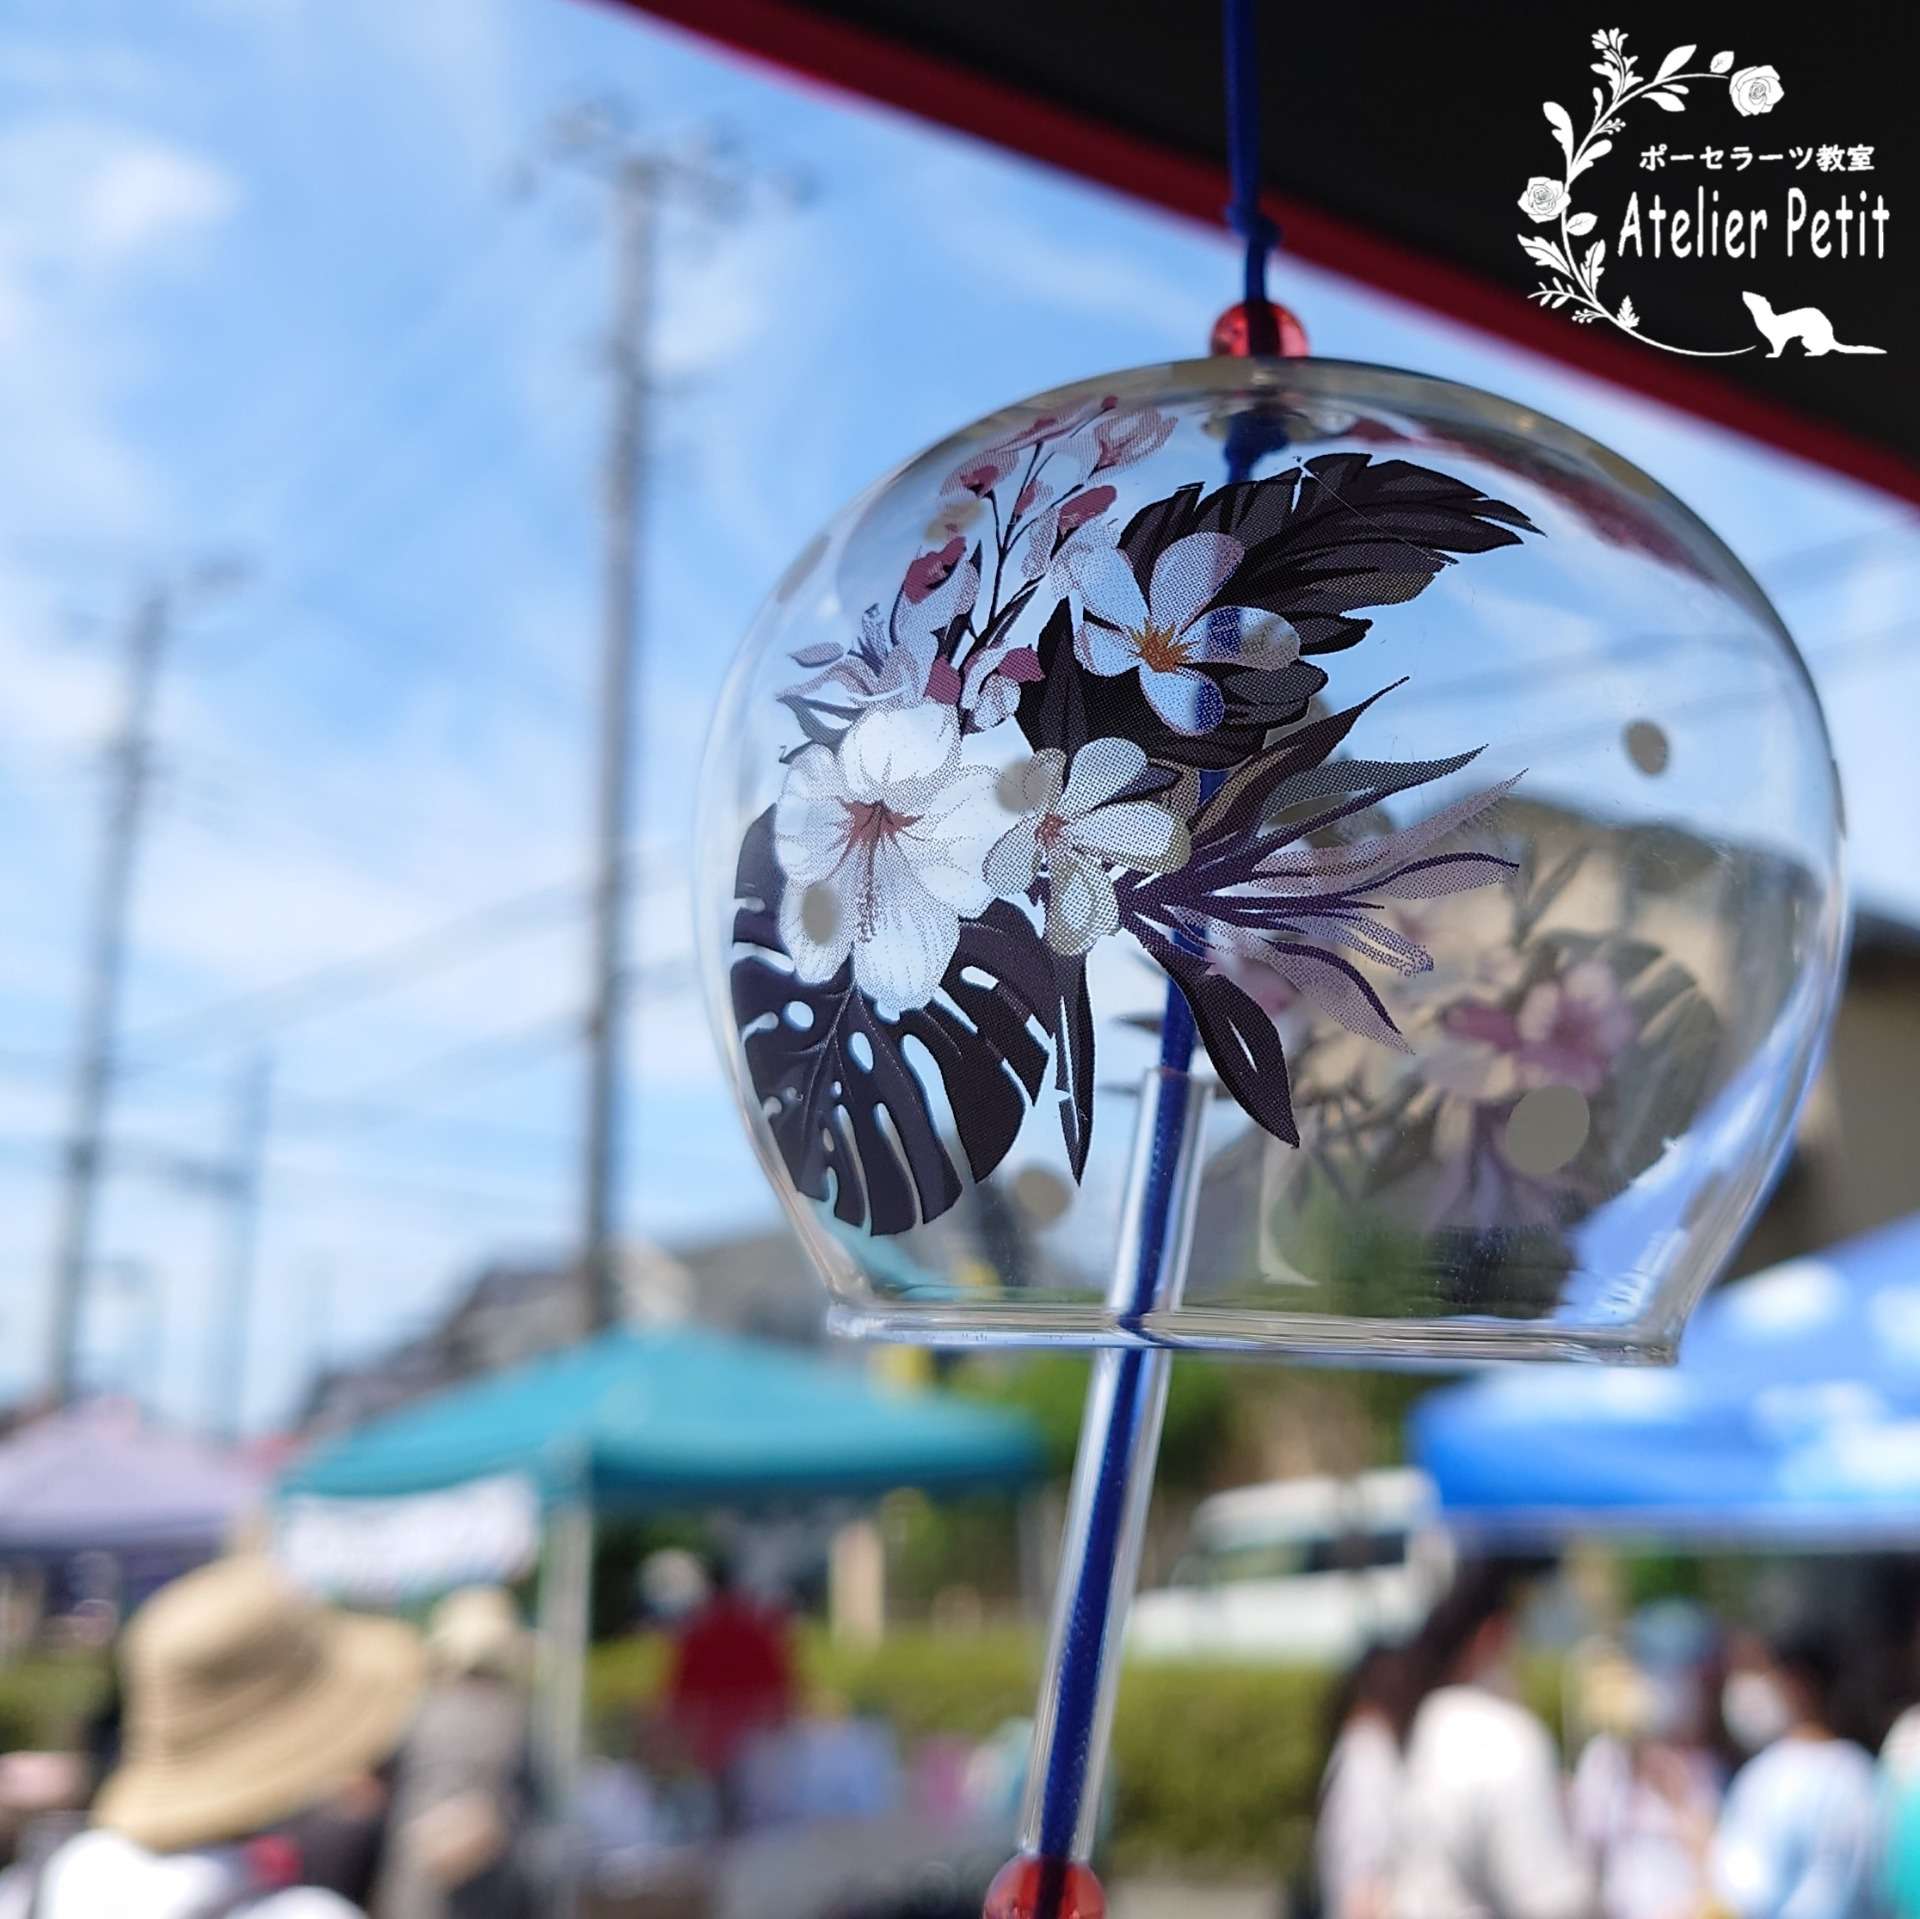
<point x="1135" y="697"/>
<point x="846" y="1108"/>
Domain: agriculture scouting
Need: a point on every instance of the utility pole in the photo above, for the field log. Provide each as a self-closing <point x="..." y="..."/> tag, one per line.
<point x="640" y="179"/>
<point x="129" y="770"/>
<point x="241" y="1177"/>
<point x="623" y="502"/>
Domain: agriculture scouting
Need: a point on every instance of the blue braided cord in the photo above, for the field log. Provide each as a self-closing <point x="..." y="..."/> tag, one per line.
<point x="1250" y="437"/>
<point x="1243" y="160"/>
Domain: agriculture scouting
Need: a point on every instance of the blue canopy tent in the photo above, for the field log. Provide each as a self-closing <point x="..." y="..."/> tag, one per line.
<point x="1793" y="1417"/>
<point x="678" y="1417"/>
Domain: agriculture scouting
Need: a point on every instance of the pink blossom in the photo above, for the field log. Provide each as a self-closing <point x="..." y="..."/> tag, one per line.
<point x="1485" y="1025"/>
<point x="1085" y="506"/>
<point x="932" y="570"/>
<point x="1571" y="1028"/>
<point x="1047" y="426"/>
<point x="943" y="683"/>
<point x="1126" y="437"/>
<point x="1566" y="1032"/>
<point x="979" y="476"/>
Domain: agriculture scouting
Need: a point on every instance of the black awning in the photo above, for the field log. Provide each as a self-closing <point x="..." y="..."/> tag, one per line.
<point x="1400" y="139"/>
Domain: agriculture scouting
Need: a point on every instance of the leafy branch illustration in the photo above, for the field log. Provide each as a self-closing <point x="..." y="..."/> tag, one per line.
<point x="1575" y="272"/>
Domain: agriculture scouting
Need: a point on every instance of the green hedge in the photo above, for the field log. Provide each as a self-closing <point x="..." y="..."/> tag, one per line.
<point x="45" y="1702"/>
<point x="1215" y="1765"/>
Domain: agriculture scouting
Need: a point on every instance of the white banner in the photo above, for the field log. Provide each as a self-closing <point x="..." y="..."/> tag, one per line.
<point x="379" y="1551"/>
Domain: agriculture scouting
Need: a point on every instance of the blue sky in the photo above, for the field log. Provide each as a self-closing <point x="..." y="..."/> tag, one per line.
<point x="271" y="282"/>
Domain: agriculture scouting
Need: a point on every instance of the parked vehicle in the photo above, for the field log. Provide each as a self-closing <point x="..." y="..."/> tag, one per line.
<point x="1301" y="1569"/>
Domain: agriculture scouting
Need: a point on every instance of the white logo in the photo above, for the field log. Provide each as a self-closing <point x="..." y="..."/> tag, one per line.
<point x="1808" y="325"/>
<point x="1696" y="225"/>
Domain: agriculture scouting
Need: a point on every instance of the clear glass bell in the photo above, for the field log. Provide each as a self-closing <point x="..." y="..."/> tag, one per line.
<point x="1466" y="787"/>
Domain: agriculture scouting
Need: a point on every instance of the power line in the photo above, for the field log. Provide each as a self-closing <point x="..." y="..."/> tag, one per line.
<point x="1809" y="565"/>
<point x="307" y="995"/>
<point x="322" y="426"/>
<point x="289" y="1177"/>
<point x="324" y="1116"/>
<point x="485" y="1054"/>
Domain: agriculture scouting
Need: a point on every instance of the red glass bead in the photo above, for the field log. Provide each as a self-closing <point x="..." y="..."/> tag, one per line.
<point x="1231" y="335"/>
<point x="1029" y="1888"/>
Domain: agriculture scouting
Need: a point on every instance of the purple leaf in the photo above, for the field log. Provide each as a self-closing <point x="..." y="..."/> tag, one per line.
<point x="1356" y="866"/>
<point x="1337" y="988"/>
<point x="1240" y="1037"/>
<point x="1444" y="873"/>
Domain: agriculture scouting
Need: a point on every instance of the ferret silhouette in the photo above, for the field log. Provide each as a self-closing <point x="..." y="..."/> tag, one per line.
<point x="1808" y="325"/>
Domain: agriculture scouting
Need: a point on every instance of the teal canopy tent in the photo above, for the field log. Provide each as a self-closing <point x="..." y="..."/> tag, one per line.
<point x="648" y="1420"/>
<point x="674" y="1418"/>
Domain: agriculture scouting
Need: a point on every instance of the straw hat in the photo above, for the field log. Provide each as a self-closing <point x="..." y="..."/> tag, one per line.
<point x="476" y="1630"/>
<point x="246" y="1703"/>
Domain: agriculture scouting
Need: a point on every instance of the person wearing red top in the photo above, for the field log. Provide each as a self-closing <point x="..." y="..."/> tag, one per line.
<point x="732" y="1677"/>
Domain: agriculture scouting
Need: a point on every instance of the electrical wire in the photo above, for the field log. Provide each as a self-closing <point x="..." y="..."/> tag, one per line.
<point x="326" y="988"/>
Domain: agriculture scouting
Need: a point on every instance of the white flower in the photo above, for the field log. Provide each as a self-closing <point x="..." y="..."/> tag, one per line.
<point x="882" y="841"/>
<point x="1544" y="199"/>
<point x="1167" y="633"/>
<point x="1756" y="90"/>
<point x="1071" y="826"/>
<point x="990" y="688"/>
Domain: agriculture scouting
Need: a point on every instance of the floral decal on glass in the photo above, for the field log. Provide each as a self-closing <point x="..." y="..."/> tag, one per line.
<point x="1074" y="723"/>
<point x="1614" y="1025"/>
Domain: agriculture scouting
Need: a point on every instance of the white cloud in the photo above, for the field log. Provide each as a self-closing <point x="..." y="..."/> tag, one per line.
<point x="147" y="196"/>
<point x="87" y="207"/>
<point x="96" y="194"/>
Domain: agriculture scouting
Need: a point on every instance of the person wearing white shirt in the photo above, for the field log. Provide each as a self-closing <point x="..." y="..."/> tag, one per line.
<point x="1484" y="1829"/>
<point x="100" y="1873"/>
<point x="256" y="1724"/>
<point x="1358" y="1820"/>
<point x="1800" y="1834"/>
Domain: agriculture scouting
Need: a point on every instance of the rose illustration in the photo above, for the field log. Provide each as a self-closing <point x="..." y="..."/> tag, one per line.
<point x="1546" y="199"/>
<point x="1755" y="90"/>
<point x="1572" y="261"/>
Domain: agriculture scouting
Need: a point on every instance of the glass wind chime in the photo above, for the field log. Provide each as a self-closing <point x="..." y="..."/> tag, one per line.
<point x="1262" y="854"/>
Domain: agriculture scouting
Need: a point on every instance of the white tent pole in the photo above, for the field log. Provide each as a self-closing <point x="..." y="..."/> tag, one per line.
<point x="566" y="1608"/>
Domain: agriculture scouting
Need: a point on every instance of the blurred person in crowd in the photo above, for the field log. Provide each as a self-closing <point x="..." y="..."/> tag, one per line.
<point x="1799" y="1838"/>
<point x="257" y="1728"/>
<point x="1484" y="1828"/>
<point x="672" y="1585"/>
<point x="1358" y="1819"/>
<point x="732" y="1677"/>
<point x="105" y="1733"/>
<point x="1646" y="1791"/>
<point x="463" y="1792"/>
<point x="1900" y="1812"/>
